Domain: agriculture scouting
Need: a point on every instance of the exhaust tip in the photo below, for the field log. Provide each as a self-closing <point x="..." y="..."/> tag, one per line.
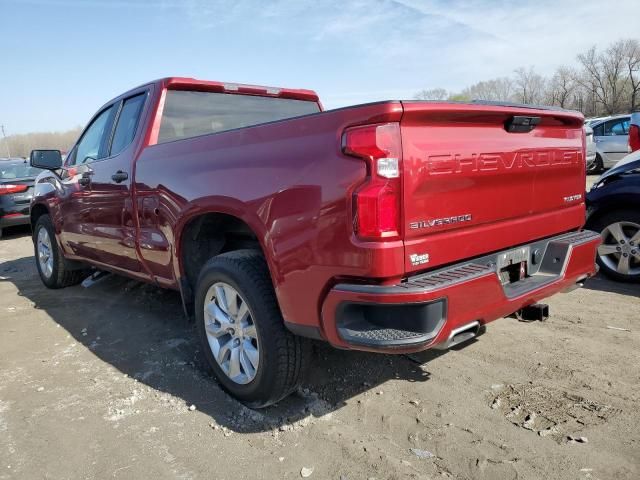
<point x="460" y="335"/>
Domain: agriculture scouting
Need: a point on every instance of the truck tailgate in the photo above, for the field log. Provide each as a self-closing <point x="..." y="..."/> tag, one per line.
<point x="473" y="185"/>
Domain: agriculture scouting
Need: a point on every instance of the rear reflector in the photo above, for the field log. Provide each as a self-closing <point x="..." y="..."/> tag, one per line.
<point x="377" y="201"/>
<point x="12" y="215"/>
<point x="6" y="189"/>
<point x="634" y="137"/>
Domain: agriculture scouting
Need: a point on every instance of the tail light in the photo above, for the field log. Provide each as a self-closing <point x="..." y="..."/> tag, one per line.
<point x="634" y="137"/>
<point x="377" y="201"/>
<point x="6" y="189"/>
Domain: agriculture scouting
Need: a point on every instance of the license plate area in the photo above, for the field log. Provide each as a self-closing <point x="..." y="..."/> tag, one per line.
<point x="512" y="266"/>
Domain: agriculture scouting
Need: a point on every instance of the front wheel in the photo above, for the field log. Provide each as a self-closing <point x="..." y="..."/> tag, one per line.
<point x="253" y="355"/>
<point x="52" y="267"/>
<point x="619" y="254"/>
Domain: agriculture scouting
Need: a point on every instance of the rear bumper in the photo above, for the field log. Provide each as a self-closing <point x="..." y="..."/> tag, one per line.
<point x="428" y="309"/>
<point x="8" y="219"/>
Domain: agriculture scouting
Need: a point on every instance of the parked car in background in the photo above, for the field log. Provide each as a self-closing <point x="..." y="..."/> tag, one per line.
<point x="612" y="138"/>
<point x="634" y="132"/>
<point x="16" y="191"/>
<point x="592" y="120"/>
<point x="613" y="209"/>
<point x="591" y="152"/>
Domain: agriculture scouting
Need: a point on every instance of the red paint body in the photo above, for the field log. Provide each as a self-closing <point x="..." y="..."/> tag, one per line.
<point x="290" y="182"/>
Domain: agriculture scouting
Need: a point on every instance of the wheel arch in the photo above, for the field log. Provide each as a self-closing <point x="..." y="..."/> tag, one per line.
<point x="205" y="233"/>
<point x="613" y="203"/>
<point x="36" y="211"/>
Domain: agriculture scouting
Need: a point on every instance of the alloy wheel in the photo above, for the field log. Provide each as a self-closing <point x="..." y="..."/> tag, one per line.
<point x="231" y="333"/>
<point x="620" y="249"/>
<point x="45" y="253"/>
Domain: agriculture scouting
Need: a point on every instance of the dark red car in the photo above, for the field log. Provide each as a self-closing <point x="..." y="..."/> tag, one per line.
<point x="387" y="227"/>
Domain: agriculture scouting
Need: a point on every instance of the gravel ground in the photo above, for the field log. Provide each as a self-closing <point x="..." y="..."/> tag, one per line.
<point x="98" y="383"/>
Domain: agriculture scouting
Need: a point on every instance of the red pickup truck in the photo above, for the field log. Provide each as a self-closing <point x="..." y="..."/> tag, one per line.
<point x="388" y="227"/>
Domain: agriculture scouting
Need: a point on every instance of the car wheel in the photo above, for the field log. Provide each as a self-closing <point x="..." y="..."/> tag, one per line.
<point x="619" y="254"/>
<point x="52" y="267"/>
<point x="255" y="358"/>
<point x="596" y="166"/>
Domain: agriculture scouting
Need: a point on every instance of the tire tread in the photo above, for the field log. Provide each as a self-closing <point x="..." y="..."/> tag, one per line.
<point x="290" y="351"/>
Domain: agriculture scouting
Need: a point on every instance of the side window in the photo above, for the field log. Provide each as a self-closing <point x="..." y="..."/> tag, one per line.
<point x="92" y="144"/>
<point x="617" y="127"/>
<point x="127" y="123"/>
<point x="625" y="126"/>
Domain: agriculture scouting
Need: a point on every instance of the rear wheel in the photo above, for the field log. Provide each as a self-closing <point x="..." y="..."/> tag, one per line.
<point x="596" y="166"/>
<point x="619" y="254"/>
<point x="241" y="329"/>
<point x="54" y="271"/>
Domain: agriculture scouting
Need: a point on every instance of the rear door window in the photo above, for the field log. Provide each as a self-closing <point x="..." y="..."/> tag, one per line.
<point x="190" y="114"/>
<point x="617" y="127"/>
<point x="127" y="123"/>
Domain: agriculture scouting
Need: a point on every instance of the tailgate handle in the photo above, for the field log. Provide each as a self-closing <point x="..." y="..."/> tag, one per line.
<point x="521" y="124"/>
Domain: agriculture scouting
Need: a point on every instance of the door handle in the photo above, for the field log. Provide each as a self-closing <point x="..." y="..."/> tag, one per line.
<point x="119" y="176"/>
<point x="85" y="179"/>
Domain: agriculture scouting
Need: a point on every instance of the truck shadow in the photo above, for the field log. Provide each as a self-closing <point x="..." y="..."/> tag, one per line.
<point x="141" y="331"/>
<point x="601" y="283"/>
<point x="9" y="233"/>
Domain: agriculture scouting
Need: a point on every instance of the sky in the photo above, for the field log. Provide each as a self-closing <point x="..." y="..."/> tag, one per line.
<point x="61" y="60"/>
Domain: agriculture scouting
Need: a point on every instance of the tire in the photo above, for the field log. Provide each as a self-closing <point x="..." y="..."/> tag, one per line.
<point x="596" y="167"/>
<point x="281" y="357"/>
<point x="620" y="230"/>
<point x="57" y="274"/>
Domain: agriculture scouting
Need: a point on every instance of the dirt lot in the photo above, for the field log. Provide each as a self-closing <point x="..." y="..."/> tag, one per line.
<point x="97" y="383"/>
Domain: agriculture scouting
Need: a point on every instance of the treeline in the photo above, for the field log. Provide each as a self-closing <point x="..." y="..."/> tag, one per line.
<point x="602" y="82"/>
<point x="21" y="145"/>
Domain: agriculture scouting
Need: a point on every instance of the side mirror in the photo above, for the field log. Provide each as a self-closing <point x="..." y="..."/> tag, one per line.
<point x="46" y="159"/>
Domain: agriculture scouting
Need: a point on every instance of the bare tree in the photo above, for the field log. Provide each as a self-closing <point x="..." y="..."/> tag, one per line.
<point x="605" y="82"/>
<point x="432" y="94"/>
<point x="604" y="75"/>
<point x="498" y="89"/>
<point x="561" y="87"/>
<point x="632" y="64"/>
<point x="529" y="86"/>
<point x="21" y="145"/>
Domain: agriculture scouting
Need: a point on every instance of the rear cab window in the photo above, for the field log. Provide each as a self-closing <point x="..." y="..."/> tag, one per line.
<point x="189" y="114"/>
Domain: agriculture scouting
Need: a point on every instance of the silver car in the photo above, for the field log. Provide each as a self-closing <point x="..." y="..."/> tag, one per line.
<point x="611" y="136"/>
<point x="591" y="149"/>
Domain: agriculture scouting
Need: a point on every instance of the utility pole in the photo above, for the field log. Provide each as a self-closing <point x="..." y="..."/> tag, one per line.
<point x="6" y="144"/>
